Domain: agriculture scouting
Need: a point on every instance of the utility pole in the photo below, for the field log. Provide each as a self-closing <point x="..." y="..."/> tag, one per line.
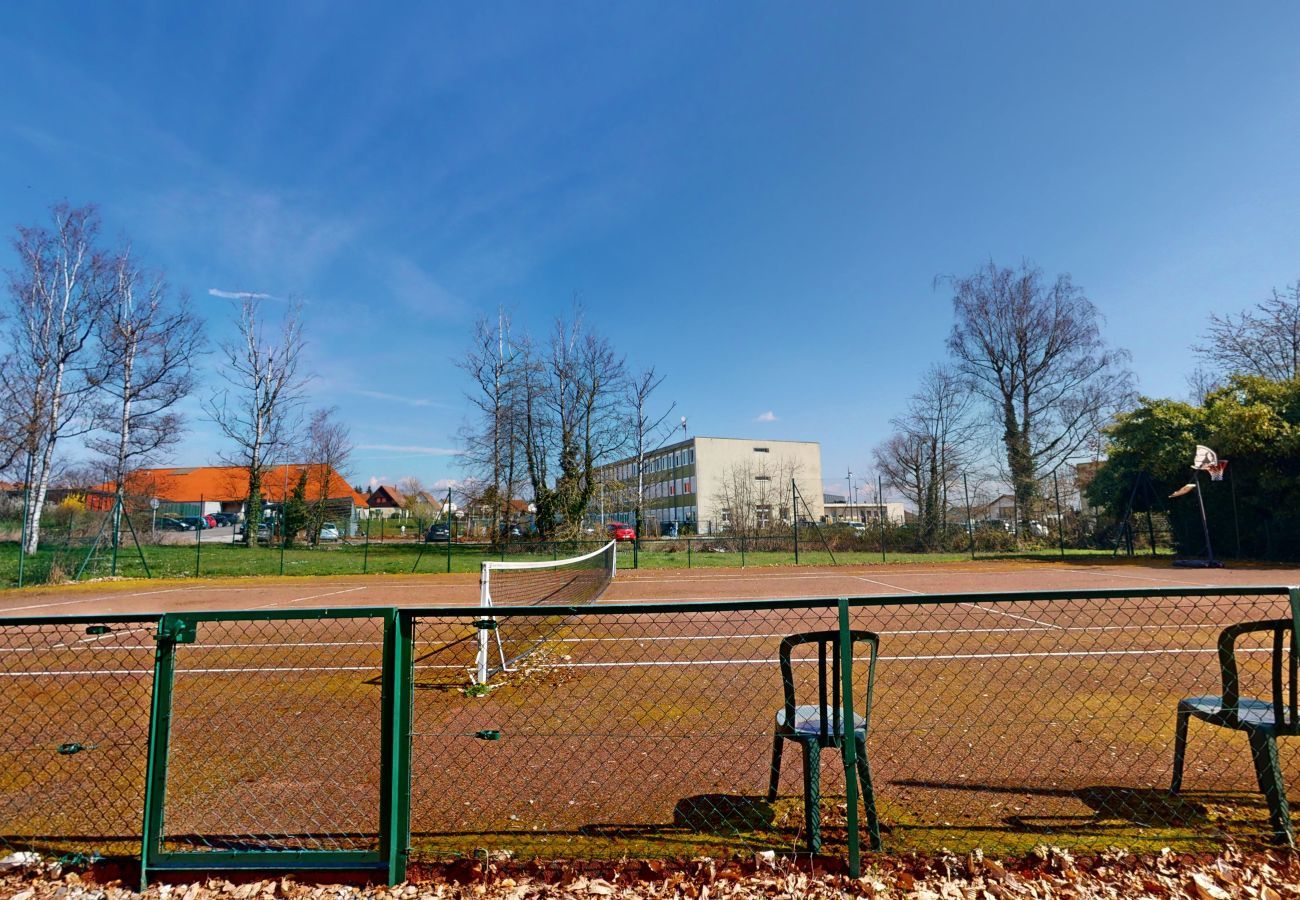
<point x="850" y="494"/>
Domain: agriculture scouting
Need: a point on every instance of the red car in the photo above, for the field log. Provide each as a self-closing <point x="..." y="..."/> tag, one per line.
<point x="620" y="532"/>
<point x="211" y="520"/>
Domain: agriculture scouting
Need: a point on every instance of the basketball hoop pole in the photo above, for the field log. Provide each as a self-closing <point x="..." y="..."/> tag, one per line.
<point x="1205" y="524"/>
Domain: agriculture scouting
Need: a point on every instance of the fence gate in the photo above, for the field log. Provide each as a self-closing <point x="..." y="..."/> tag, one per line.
<point x="271" y="744"/>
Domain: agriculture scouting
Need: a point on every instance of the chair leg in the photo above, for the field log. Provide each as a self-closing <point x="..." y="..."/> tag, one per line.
<point x="1268" y="772"/>
<point x="774" y="781"/>
<point x="1180" y="750"/>
<point x="868" y="793"/>
<point x="812" y="812"/>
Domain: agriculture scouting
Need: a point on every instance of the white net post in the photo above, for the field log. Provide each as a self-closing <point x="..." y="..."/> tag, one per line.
<point x="485" y="602"/>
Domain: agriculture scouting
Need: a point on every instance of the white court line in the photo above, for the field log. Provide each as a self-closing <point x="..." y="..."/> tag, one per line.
<point x="14" y="609"/>
<point x="312" y="597"/>
<point x="651" y="664"/>
<point x="1013" y="616"/>
<point x="1167" y="582"/>
<point x="892" y="587"/>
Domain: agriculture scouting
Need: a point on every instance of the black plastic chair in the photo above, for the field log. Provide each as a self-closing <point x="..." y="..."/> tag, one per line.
<point x="1262" y="721"/>
<point x="822" y="726"/>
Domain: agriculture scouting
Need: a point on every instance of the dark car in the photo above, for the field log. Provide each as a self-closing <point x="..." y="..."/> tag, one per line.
<point x="196" y="522"/>
<point x="438" y="531"/>
<point x="226" y="518"/>
<point x="167" y="523"/>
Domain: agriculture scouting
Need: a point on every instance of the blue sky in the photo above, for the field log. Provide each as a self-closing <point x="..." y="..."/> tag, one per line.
<point x="756" y="198"/>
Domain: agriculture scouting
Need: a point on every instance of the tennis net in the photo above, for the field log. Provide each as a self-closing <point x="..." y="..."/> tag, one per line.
<point x="565" y="583"/>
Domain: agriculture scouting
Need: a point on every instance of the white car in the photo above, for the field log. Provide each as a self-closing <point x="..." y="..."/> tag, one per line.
<point x="328" y="532"/>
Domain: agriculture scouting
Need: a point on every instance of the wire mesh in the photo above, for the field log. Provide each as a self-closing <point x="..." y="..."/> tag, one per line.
<point x="275" y="736"/>
<point x="631" y="734"/>
<point x="74" y="728"/>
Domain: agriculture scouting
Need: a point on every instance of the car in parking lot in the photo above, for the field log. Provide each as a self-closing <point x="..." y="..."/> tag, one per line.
<point x="438" y="531"/>
<point x="196" y="522"/>
<point x="328" y="532"/>
<point x="169" y="523"/>
<point x="620" y="531"/>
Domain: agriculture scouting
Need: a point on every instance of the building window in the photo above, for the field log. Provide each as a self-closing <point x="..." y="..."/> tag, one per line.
<point x="760" y="449"/>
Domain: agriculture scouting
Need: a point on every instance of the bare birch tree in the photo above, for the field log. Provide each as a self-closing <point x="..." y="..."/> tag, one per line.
<point x="147" y="348"/>
<point x="1262" y="341"/>
<point x="1035" y="353"/>
<point x="56" y="293"/>
<point x="260" y="409"/>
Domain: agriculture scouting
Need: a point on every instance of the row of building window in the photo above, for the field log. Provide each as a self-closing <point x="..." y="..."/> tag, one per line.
<point x="662" y="463"/>
<point x="674" y="487"/>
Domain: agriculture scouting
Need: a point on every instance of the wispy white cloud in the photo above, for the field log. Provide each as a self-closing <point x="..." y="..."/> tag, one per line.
<point x="768" y="416"/>
<point x="239" y="295"/>
<point x="412" y="449"/>
<point x="394" y="398"/>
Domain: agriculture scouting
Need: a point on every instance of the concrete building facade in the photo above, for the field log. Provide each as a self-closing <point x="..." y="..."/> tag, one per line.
<point x="709" y="485"/>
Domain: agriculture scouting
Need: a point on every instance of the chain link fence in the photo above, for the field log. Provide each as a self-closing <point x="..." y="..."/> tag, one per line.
<point x="999" y="722"/>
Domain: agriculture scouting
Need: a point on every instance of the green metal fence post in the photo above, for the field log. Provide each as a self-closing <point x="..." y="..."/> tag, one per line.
<point x="395" y="752"/>
<point x="688" y="553"/>
<point x="970" y="526"/>
<point x="365" y="554"/>
<point x="794" y="510"/>
<point x="117" y="527"/>
<point x="880" y="508"/>
<point x="160" y="713"/>
<point x="22" y="531"/>
<point x="742" y="549"/>
<point x="450" y="520"/>
<point x="849" y="742"/>
<point x="198" y="540"/>
<point x="1060" y="520"/>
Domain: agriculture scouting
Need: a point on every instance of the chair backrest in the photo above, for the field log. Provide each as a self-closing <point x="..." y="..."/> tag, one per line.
<point x="1284" y="683"/>
<point x="830" y="713"/>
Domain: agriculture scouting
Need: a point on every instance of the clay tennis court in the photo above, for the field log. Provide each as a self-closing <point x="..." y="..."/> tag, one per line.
<point x="997" y="722"/>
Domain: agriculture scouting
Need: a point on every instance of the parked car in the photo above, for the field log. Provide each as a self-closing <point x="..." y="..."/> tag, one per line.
<point x="226" y="518"/>
<point x="438" y="532"/>
<point x="196" y="522"/>
<point x="859" y="528"/>
<point x="328" y="532"/>
<point x="211" y="520"/>
<point x="620" y="531"/>
<point x="167" y="523"/>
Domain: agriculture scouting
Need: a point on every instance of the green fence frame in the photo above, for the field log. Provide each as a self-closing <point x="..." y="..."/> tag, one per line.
<point x="397" y="693"/>
<point x="393" y="802"/>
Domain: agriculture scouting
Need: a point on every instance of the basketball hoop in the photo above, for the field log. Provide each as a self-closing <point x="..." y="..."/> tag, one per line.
<point x="1216" y="469"/>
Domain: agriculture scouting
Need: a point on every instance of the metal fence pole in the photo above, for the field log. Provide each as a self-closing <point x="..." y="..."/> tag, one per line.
<point x="1060" y="520"/>
<point x="970" y="525"/>
<point x="880" y="508"/>
<point x="22" y="531"/>
<point x="849" y="740"/>
<point x="365" y="553"/>
<point x="688" y="553"/>
<point x="198" y="540"/>
<point x="449" y="526"/>
<point x="794" y="510"/>
<point x="395" y="749"/>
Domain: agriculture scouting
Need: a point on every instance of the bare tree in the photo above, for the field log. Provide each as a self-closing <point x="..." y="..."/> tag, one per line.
<point x="1035" y="353"/>
<point x="755" y="497"/>
<point x="570" y="403"/>
<point x="491" y="439"/>
<point x="145" y="368"/>
<point x="57" y="292"/>
<point x="260" y="410"/>
<point x="1262" y="341"/>
<point x="647" y="432"/>
<point x="329" y="451"/>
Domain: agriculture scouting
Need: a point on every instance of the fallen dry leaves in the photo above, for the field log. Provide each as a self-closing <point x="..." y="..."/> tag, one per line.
<point x="1047" y="873"/>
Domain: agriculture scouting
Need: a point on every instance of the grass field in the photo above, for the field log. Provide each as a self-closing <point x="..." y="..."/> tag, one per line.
<point x="214" y="560"/>
<point x="998" y="723"/>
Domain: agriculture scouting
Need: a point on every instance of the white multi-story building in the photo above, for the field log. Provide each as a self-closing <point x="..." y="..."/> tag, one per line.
<point x="710" y="484"/>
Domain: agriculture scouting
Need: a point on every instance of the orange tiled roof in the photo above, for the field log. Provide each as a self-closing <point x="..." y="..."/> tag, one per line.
<point x="228" y="483"/>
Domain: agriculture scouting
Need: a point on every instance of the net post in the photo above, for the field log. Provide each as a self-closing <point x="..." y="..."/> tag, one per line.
<point x="398" y="688"/>
<point x="160" y="713"/>
<point x="484" y="601"/>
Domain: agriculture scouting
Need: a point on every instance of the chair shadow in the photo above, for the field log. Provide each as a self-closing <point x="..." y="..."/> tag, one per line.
<point x="1145" y="807"/>
<point x="713" y="814"/>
